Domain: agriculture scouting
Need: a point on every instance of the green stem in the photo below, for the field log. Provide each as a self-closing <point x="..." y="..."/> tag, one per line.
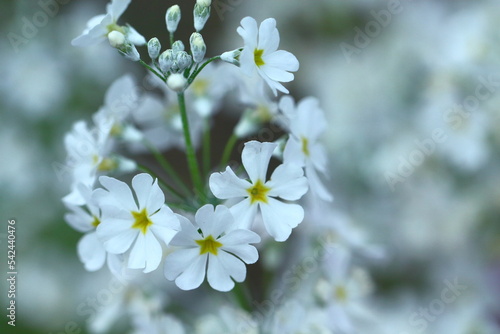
<point x="206" y="146"/>
<point x="195" y="73"/>
<point x="228" y="149"/>
<point x="243" y="297"/>
<point x="190" y="153"/>
<point x="166" y="166"/>
<point x="171" y="39"/>
<point x="152" y="70"/>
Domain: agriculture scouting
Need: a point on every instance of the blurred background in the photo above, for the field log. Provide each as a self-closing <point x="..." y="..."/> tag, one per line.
<point x="411" y="90"/>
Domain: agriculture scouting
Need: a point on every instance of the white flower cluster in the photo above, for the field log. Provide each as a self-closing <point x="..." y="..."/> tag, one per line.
<point x="214" y="227"/>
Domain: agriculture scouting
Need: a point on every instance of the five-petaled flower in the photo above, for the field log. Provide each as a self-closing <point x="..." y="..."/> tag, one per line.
<point x="100" y="26"/>
<point x="261" y="54"/>
<point x="135" y="226"/>
<point x="214" y="243"/>
<point x="306" y="122"/>
<point x="287" y="182"/>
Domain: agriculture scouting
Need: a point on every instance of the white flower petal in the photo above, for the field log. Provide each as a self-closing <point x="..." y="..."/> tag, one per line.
<point x="287" y="182"/>
<point x="274" y="85"/>
<point x="256" y="157"/>
<point x="121" y="242"/>
<point x="276" y="74"/>
<point x="318" y="157"/>
<point x="187" y="235"/>
<point x="134" y="37"/>
<point x="247" y="61"/>
<point x="282" y="60"/>
<point x="239" y="237"/>
<point x="269" y="37"/>
<point x="193" y="276"/>
<point x="121" y="97"/>
<point x="316" y="185"/>
<point x="287" y="106"/>
<point x="120" y="192"/>
<point x="293" y="153"/>
<point x="117" y="7"/>
<point x="233" y="266"/>
<point x="142" y="184"/>
<point x="217" y="276"/>
<point x="248" y="31"/>
<point x="91" y="252"/>
<point x="137" y="257"/>
<point x="79" y="219"/>
<point x="154" y="253"/>
<point x="246" y="253"/>
<point x="227" y="185"/>
<point x="279" y="218"/>
<point x="178" y="261"/>
<point x="244" y="214"/>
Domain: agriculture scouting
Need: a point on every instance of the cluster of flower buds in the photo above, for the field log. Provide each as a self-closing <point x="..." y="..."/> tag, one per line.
<point x="176" y="63"/>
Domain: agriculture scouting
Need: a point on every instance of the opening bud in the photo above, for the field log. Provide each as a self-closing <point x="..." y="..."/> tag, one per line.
<point x="176" y="82"/>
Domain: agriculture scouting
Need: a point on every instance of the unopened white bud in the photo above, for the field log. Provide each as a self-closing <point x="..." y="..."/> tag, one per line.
<point x="198" y="47"/>
<point x="154" y="48"/>
<point x="116" y="39"/>
<point x="183" y="60"/>
<point x="205" y="3"/>
<point x="176" y="82"/>
<point x="232" y="57"/>
<point x="166" y="60"/>
<point x="172" y="18"/>
<point x="201" y="14"/>
<point x="178" y="46"/>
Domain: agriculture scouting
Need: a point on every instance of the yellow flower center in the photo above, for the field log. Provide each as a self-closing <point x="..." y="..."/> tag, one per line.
<point x="258" y="193"/>
<point x="305" y="146"/>
<point x="200" y="87"/>
<point x="208" y="245"/>
<point x="96" y="222"/>
<point x="142" y="221"/>
<point x="340" y="293"/>
<point x="107" y="164"/>
<point x="113" y="26"/>
<point x="257" y="56"/>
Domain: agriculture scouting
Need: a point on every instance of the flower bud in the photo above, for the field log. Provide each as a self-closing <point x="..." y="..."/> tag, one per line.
<point x="178" y="46"/>
<point x="201" y="14"/>
<point x="198" y="47"/>
<point x="154" y="48"/>
<point x="166" y="60"/>
<point x="172" y="17"/>
<point x="176" y="82"/>
<point x="116" y="39"/>
<point x="232" y="57"/>
<point x="183" y="60"/>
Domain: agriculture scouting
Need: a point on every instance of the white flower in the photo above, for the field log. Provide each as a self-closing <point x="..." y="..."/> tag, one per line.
<point x="121" y="98"/>
<point x="135" y="226"/>
<point x="344" y="291"/>
<point x="307" y="123"/>
<point x="100" y="26"/>
<point x="261" y="53"/>
<point x="287" y="182"/>
<point x="90" y="249"/>
<point x="88" y="152"/>
<point x="217" y="246"/>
